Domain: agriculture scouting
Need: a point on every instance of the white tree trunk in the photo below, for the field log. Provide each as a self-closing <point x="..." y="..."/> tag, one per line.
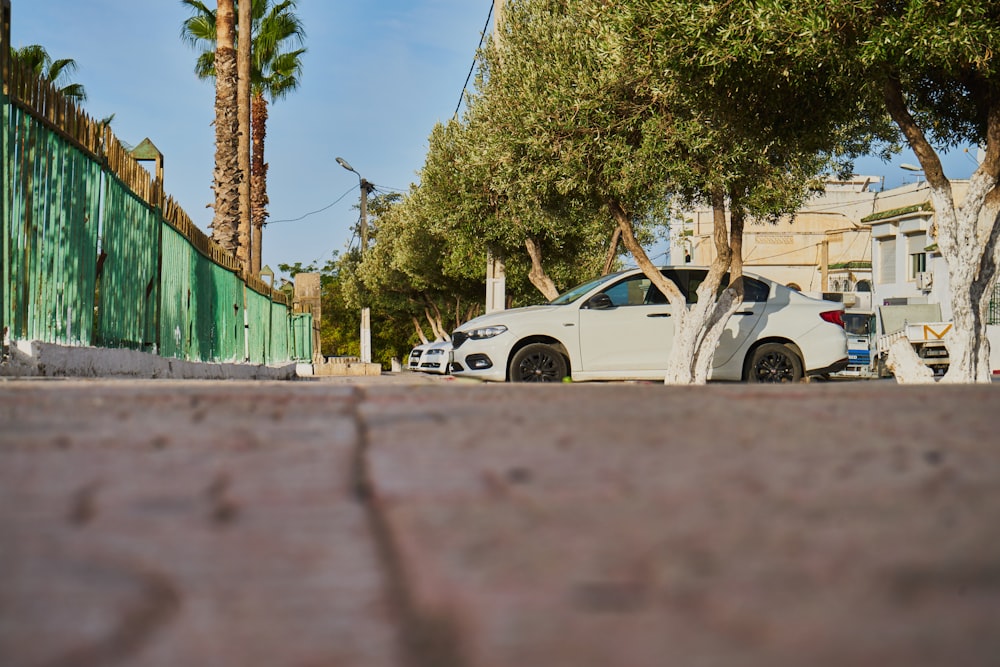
<point x="727" y="304"/>
<point x="970" y="250"/>
<point x="904" y="363"/>
<point x="968" y="237"/>
<point x="698" y="329"/>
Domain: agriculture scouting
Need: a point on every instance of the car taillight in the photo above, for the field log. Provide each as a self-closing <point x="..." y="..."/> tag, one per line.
<point x="834" y="317"/>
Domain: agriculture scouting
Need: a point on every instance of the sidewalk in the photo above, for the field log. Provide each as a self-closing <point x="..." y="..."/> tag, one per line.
<point x="426" y="521"/>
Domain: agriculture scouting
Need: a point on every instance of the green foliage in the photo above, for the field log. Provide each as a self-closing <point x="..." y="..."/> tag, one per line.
<point x="35" y="58"/>
<point x="647" y="102"/>
<point x="274" y="71"/>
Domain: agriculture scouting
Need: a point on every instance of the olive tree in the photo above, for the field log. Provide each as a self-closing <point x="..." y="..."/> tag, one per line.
<point x="625" y="107"/>
<point x="931" y="66"/>
<point x="546" y="249"/>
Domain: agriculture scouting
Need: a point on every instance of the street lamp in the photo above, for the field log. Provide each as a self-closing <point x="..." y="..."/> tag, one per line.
<point x="912" y="167"/>
<point x="366" y="315"/>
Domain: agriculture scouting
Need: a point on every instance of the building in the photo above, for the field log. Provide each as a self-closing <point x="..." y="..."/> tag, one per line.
<point x="907" y="266"/>
<point x="854" y="242"/>
<point x="823" y="248"/>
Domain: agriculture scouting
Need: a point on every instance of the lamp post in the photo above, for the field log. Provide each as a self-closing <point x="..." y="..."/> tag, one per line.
<point x="913" y="167"/>
<point x="366" y="315"/>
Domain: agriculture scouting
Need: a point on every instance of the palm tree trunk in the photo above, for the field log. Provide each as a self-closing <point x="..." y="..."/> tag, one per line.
<point x="227" y="177"/>
<point x="243" y="49"/>
<point x="258" y="176"/>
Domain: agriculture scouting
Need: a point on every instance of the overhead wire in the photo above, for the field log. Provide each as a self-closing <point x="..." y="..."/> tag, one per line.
<point x="306" y="215"/>
<point x="472" y="68"/>
<point x="385" y="189"/>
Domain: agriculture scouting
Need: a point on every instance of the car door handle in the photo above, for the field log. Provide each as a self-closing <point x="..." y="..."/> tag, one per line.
<point x="658" y="315"/>
<point x="743" y="312"/>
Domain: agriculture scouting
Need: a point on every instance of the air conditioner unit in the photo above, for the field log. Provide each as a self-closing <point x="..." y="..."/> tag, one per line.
<point x="925" y="279"/>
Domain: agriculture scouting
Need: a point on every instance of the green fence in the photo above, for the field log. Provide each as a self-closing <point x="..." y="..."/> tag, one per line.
<point x="95" y="254"/>
<point x="50" y="233"/>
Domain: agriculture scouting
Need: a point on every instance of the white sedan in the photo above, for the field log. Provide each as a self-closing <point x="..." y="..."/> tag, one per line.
<point x="431" y="357"/>
<point x="619" y="327"/>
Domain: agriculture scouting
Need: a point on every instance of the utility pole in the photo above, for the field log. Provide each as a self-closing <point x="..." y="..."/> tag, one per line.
<point x="496" y="277"/>
<point x="824" y="269"/>
<point x="366" y="313"/>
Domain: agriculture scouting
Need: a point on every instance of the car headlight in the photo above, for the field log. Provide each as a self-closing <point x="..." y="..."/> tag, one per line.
<point x="486" y="332"/>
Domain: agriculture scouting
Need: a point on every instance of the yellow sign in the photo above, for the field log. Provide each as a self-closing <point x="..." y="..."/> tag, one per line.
<point x="929" y="331"/>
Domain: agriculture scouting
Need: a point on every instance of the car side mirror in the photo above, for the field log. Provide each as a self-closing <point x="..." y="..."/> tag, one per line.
<point x="600" y="302"/>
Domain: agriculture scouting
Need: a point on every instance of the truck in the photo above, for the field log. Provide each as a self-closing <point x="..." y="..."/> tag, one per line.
<point x="871" y="333"/>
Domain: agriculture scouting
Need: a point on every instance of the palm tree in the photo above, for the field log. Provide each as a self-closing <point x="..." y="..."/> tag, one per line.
<point x="275" y="72"/>
<point x="36" y="59"/>
<point x="227" y="173"/>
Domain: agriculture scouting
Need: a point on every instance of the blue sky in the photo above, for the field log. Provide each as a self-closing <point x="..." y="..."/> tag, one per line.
<point x="378" y="75"/>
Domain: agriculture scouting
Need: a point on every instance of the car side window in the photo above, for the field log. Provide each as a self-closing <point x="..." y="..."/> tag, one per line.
<point x="629" y="292"/>
<point x="754" y="291"/>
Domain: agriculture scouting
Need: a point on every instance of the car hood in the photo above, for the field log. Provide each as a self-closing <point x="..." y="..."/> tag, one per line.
<point x="501" y="317"/>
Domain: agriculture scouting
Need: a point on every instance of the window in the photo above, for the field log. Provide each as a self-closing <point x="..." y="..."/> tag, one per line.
<point x="887" y="261"/>
<point x="631" y="292"/>
<point x="917" y="256"/>
<point x="753" y="290"/>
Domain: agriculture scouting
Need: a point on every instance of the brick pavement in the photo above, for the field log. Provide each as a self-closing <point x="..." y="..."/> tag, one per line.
<point x="446" y="523"/>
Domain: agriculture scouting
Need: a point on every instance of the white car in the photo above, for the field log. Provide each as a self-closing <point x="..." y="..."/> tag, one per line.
<point x="618" y="327"/>
<point x="431" y="357"/>
<point x="413" y="361"/>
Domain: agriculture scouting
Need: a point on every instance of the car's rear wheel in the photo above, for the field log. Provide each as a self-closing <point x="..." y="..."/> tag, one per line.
<point x="537" y="362"/>
<point x="774" y="363"/>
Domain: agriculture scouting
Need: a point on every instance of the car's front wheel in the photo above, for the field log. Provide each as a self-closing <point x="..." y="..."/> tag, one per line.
<point x="774" y="362"/>
<point x="537" y="362"/>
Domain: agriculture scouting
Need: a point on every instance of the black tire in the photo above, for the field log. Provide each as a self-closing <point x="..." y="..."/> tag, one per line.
<point x="537" y="363"/>
<point x="774" y="363"/>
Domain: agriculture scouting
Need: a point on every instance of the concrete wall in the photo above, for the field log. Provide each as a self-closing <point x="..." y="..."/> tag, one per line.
<point x="36" y="359"/>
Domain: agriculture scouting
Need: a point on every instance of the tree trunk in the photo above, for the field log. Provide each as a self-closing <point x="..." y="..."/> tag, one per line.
<point x="420" y="330"/>
<point x="435" y="320"/>
<point x="609" y="258"/>
<point x="968" y="240"/>
<point x="699" y="332"/>
<point x="226" y="177"/>
<point x="718" y="311"/>
<point x="680" y="351"/>
<point x="258" y="177"/>
<point x="243" y="44"/>
<point x="697" y="328"/>
<point x="537" y="275"/>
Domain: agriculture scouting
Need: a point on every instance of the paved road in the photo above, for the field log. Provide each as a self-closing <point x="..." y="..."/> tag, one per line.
<point x="423" y="522"/>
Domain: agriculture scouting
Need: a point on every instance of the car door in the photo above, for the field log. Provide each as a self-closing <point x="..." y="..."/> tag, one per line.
<point x="740" y="328"/>
<point x="629" y="336"/>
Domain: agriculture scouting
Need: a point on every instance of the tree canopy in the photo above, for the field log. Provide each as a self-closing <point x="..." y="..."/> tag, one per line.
<point x="621" y="109"/>
<point x="930" y="66"/>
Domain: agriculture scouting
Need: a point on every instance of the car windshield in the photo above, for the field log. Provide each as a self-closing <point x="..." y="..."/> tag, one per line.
<point x="578" y="291"/>
<point x="857" y="324"/>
